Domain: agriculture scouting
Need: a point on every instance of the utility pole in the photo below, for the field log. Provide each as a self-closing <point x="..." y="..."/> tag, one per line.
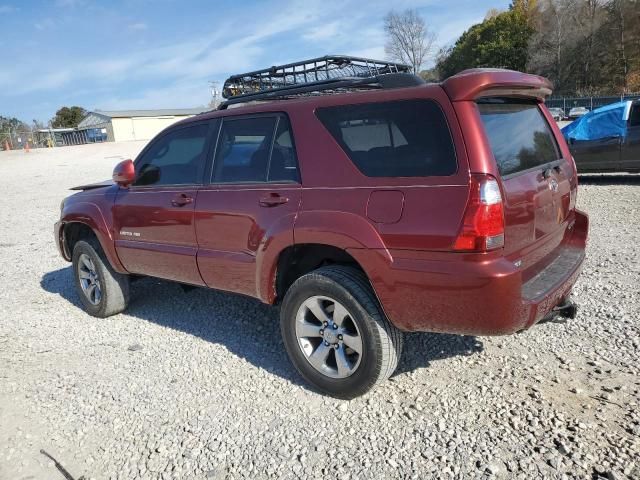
<point x="215" y="92"/>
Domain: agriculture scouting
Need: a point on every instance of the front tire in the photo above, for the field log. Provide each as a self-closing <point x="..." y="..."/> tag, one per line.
<point x="102" y="291"/>
<point x="336" y="334"/>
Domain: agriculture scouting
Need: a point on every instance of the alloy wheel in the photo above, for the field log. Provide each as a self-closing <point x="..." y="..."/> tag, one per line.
<point x="89" y="279"/>
<point x="329" y="337"/>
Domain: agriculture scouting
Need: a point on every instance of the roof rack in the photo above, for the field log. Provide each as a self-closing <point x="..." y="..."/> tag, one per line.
<point x="323" y="74"/>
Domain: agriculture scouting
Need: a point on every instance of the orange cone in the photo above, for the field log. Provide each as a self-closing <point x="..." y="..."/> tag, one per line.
<point x="26" y="147"/>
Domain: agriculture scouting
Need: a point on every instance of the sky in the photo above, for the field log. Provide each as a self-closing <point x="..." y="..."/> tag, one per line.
<point x="146" y="54"/>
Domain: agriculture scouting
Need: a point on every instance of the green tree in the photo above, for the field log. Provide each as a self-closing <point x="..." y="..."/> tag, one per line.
<point x="68" y="117"/>
<point x="500" y="41"/>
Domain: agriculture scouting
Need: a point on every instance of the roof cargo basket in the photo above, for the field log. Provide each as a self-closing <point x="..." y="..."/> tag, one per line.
<point x="327" y="74"/>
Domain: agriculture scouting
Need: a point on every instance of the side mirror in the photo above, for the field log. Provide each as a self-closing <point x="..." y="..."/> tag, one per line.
<point x="124" y="174"/>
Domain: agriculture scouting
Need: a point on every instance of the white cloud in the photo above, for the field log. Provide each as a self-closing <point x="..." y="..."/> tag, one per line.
<point x="323" y="32"/>
<point x="44" y="24"/>
<point x="69" y="3"/>
<point x="138" y="26"/>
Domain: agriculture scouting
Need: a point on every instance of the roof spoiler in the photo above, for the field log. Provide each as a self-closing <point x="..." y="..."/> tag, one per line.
<point x="495" y="82"/>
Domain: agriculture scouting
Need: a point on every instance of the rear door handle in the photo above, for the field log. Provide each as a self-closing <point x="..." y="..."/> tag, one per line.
<point x="273" y="200"/>
<point x="547" y="172"/>
<point x="181" y="200"/>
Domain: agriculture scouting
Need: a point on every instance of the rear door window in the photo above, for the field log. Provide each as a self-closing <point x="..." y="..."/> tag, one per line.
<point x="243" y="149"/>
<point x="255" y="150"/>
<point x="519" y="135"/>
<point x="393" y="139"/>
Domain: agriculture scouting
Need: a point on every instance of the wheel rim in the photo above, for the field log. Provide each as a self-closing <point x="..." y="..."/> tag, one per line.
<point x="89" y="279"/>
<point x="328" y="337"/>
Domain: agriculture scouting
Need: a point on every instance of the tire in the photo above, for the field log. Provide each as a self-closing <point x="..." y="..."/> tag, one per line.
<point x="113" y="287"/>
<point x="380" y="343"/>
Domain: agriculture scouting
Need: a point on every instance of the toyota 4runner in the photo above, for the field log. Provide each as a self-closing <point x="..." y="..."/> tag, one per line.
<point x="363" y="204"/>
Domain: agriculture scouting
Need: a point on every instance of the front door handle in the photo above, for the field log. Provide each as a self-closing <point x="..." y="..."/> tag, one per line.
<point x="181" y="200"/>
<point x="273" y="200"/>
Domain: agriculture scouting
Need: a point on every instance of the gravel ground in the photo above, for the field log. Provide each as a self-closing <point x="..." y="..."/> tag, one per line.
<point x="197" y="384"/>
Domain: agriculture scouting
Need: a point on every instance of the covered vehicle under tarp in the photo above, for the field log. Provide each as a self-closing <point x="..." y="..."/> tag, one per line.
<point x="603" y="122"/>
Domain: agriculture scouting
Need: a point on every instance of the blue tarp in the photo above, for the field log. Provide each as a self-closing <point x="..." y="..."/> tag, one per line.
<point x="607" y="121"/>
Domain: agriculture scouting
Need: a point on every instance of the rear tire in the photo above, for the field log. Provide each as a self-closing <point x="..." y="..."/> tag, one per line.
<point x="102" y="291"/>
<point x="326" y="355"/>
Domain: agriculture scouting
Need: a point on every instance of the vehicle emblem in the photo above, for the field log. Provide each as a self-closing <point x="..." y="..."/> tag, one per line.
<point x="553" y="185"/>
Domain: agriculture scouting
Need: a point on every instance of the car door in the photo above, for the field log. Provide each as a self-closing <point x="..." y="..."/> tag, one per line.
<point x="630" y="154"/>
<point x="600" y="155"/>
<point x="251" y="202"/>
<point x="154" y="217"/>
<point x="597" y="154"/>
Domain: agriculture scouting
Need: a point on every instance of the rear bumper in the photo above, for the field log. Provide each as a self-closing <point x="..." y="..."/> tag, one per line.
<point x="472" y="296"/>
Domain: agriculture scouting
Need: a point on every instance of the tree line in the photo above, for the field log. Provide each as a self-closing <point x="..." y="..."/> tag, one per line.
<point x="65" y="117"/>
<point x="585" y="47"/>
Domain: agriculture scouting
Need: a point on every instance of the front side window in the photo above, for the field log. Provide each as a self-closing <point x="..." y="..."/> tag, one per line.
<point x="393" y="139"/>
<point x="519" y="136"/>
<point x="176" y="158"/>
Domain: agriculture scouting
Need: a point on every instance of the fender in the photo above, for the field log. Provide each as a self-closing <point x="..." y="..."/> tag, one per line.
<point x="339" y="229"/>
<point x="343" y="230"/>
<point x="92" y="216"/>
<point x="275" y="240"/>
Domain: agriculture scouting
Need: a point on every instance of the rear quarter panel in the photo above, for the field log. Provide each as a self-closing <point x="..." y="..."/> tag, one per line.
<point x="332" y="185"/>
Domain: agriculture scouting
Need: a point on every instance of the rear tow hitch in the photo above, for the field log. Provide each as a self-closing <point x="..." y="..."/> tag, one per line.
<point x="562" y="312"/>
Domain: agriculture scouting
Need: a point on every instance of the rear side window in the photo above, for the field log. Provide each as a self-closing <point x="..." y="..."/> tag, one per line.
<point x="519" y="135"/>
<point x="393" y="139"/>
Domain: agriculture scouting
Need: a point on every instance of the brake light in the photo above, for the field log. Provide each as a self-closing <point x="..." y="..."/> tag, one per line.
<point x="483" y="223"/>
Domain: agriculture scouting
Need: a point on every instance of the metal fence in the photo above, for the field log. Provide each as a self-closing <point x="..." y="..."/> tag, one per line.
<point x="23" y="139"/>
<point x="47" y="138"/>
<point x="567" y="103"/>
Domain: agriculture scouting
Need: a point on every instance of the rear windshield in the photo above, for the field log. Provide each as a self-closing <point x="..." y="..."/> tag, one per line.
<point x="519" y="135"/>
<point x="407" y="138"/>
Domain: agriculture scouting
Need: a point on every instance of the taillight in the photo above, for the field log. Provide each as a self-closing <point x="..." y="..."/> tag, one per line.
<point x="483" y="223"/>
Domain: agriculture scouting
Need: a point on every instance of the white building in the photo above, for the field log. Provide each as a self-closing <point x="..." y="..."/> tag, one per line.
<point x="119" y="126"/>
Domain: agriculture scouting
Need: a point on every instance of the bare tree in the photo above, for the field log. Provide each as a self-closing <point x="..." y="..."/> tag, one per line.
<point x="408" y="38"/>
<point x="590" y="20"/>
<point x="618" y="13"/>
<point x="555" y="36"/>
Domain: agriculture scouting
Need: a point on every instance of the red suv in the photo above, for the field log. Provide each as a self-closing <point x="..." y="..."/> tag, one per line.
<point x="363" y="206"/>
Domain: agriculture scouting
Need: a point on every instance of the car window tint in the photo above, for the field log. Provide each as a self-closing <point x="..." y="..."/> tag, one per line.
<point x="393" y="139"/>
<point x="283" y="165"/>
<point x="176" y="158"/>
<point x="519" y="136"/>
<point x="243" y="150"/>
<point x="634" y="116"/>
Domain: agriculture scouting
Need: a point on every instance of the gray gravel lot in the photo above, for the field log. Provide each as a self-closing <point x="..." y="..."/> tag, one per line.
<point x="197" y="384"/>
